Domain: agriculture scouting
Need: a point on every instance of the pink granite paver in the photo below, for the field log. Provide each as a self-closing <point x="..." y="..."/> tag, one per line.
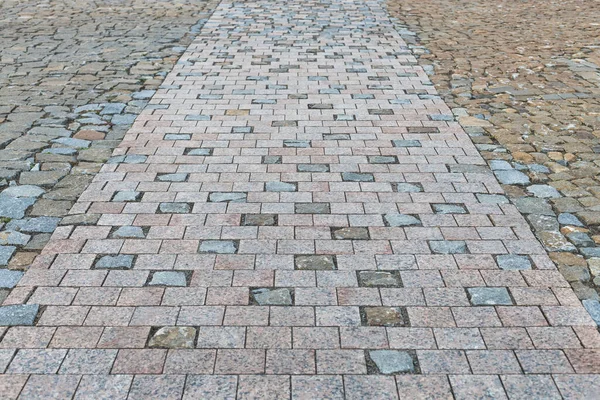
<point x="282" y="123"/>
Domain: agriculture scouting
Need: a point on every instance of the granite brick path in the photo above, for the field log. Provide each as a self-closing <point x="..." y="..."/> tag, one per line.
<point x="296" y="215"/>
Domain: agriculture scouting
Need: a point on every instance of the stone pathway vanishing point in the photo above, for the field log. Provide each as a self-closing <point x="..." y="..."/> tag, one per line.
<point x="295" y="213"/>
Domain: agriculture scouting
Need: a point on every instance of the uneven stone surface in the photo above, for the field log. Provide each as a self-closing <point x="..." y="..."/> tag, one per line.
<point x="528" y="98"/>
<point x="414" y="310"/>
<point x="69" y="95"/>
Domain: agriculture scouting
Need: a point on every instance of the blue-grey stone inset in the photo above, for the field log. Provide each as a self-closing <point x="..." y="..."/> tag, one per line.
<point x="513" y="262"/>
<point x="401" y="220"/>
<point x="406" y="143"/>
<point x="489" y="296"/>
<point x="224" y="197"/>
<point x="174" y="208"/>
<point x="168" y="278"/>
<point x="20" y="314"/>
<point x="448" y="246"/>
<point x="178" y="177"/>
<point x="127" y="196"/>
<point x="405" y="187"/>
<point x="272" y="297"/>
<point x="218" y="247"/>
<point x="392" y="361"/>
<point x="280" y="187"/>
<point x="178" y="136"/>
<point x="357" y="177"/>
<point x="313" y="167"/>
<point x="197" y="152"/>
<point x="121" y="261"/>
<point x="449" y="209"/>
<point x="9" y="278"/>
<point x="492" y="198"/>
<point x="128" y="232"/>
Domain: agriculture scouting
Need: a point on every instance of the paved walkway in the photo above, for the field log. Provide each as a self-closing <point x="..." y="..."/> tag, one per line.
<point x="295" y="214"/>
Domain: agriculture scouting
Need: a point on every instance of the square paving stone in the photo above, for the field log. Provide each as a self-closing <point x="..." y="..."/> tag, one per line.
<point x="351" y="233"/>
<point x="313" y="167"/>
<point x="513" y="262"/>
<point x="383" y="316"/>
<point x="259" y="220"/>
<point x="168" y="278"/>
<point x="272" y="297"/>
<point x="9" y="278"/>
<point x="271" y="160"/>
<point x="449" y="209"/>
<point x="175" y="208"/>
<point x="401" y="220"/>
<point x="177" y="136"/>
<point x="179" y="177"/>
<point x="379" y="279"/>
<point x="405" y="187"/>
<point x="127" y="196"/>
<point x="227" y="197"/>
<point x="357" y="177"/>
<point x="218" y="247"/>
<point x="121" y="261"/>
<point x="20" y="314"/>
<point x="312" y="208"/>
<point x="280" y="187"/>
<point x="448" y="246"/>
<point x="392" y="361"/>
<point x="128" y="232"/>
<point x="189" y="151"/>
<point x="489" y="296"/>
<point x="318" y="262"/>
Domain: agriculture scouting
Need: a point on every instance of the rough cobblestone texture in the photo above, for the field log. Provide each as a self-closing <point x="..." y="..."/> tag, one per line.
<point x="420" y="305"/>
<point x="529" y="99"/>
<point x="73" y="77"/>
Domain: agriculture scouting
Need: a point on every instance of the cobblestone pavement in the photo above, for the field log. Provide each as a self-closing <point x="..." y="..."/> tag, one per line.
<point x="296" y="214"/>
<point x="73" y="77"/>
<point x="523" y="79"/>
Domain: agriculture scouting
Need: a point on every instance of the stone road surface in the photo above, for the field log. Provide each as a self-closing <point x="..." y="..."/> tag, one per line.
<point x="296" y="214"/>
<point x="530" y="100"/>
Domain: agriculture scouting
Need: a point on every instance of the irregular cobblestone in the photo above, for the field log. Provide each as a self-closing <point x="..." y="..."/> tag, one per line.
<point x="529" y="98"/>
<point x="68" y="96"/>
